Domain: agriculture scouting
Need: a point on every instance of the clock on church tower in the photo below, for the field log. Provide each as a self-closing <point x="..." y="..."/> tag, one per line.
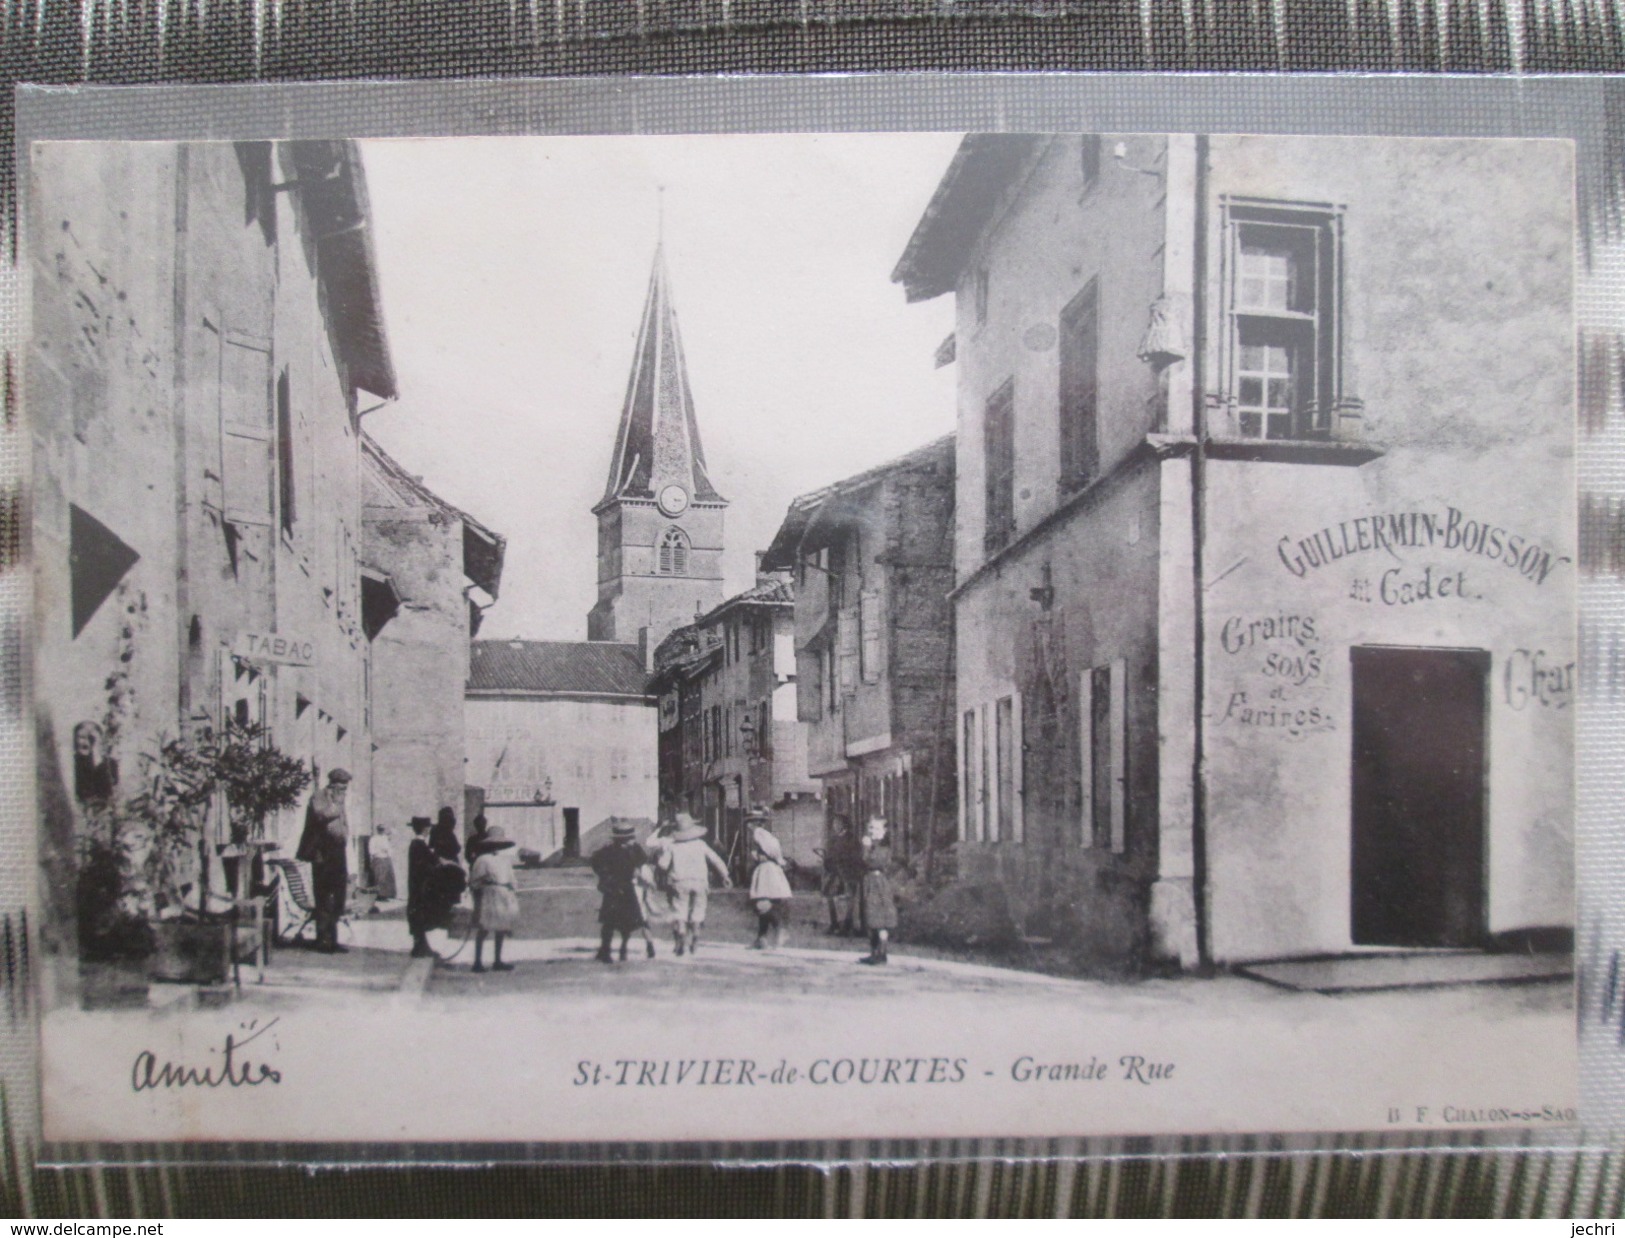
<point x="660" y="519"/>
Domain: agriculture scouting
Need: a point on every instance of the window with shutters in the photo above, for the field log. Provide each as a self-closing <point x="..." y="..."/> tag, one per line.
<point x="246" y="402"/>
<point x="672" y="556"/>
<point x="869" y="625"/>
<point x="999" y="461"/>
<point x="1283" y="349"/>
<point x="1080" y="388"/>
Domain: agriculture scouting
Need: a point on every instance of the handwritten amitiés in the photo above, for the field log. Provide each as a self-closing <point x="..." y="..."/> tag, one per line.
<point x="231" y="1071"/>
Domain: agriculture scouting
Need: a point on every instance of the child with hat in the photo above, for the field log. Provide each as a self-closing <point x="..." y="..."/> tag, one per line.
<point x="769" y="886"/>
<point x="617" y="864"/>
<point x="877" y="906"/>
<point x="691" y="862"/>
<point x="496" y="906"/>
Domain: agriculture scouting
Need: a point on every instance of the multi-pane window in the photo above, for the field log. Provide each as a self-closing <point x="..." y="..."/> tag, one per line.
<point x="999" y="453"/>
<point x="1284" y="322"/>
<point x="672" y="559"/>
<point x="1080" y="388"/>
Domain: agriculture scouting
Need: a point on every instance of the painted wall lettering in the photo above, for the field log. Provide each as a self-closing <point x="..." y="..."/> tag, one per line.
<point x="1531" y="677"/>
<point x="1275" y="712"/>
<point x="1391" y="532"/>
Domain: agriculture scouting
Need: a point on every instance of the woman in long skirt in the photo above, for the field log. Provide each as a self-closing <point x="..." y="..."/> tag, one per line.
<point x="381" y="860"/>
<point x="877" y="908"/>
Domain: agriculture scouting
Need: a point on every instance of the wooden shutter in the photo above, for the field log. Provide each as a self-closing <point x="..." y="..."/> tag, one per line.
<point x="965" y="741"/>
<point x="1018" y="772"/>
<point x="1086" y="756"/>
<point x="848" y="645"/>
<point x="809" y="685"/>
<point x="246" y="421"/>
<point x="1080" y="351"/>
<point x="1119" y="725"/>
<point x="869" y="624"/>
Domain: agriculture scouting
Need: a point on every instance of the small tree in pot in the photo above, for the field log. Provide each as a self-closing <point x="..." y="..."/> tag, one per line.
<point x="181" y="783"/>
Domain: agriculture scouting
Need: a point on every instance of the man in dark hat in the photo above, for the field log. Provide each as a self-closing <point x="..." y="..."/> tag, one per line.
<point x="423" y="909"/>
<point x="325" y="846"/>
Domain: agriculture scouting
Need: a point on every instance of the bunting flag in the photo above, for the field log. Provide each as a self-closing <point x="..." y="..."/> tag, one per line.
<point x="98" y="559"/>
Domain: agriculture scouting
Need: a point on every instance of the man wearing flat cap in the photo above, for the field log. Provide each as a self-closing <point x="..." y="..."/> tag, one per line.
<point x="325" y="846"/>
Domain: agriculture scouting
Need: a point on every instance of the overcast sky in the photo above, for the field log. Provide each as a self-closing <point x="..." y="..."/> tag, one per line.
<point x="513" y="276"/>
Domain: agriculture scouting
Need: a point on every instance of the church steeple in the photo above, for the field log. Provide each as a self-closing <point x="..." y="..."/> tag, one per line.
<point x="660" y="519"/>
<point x="658" y="444"/>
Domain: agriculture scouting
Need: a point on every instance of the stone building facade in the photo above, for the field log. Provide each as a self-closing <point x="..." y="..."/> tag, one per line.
<point x="729" y="735"/>
<point x="873" y="568"/>
<point x="1265" y="561"/>
<point x="428" y="571"/>
<point x="207" y="334"/>
<point x="561" y="741"/>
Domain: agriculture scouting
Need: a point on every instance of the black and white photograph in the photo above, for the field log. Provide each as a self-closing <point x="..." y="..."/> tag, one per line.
<point x="803" y="636"/>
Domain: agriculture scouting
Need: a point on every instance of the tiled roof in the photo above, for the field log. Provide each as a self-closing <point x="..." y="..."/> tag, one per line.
<point x="556" y="667"/>
<point x="772" y="592"/>
<point x="483" y="548"/>
<point x="828" y="502"/>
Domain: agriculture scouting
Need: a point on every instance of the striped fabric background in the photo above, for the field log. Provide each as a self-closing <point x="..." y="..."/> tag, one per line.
<point x="1466" y="1174"/>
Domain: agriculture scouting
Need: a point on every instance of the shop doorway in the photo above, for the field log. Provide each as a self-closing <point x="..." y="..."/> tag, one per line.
<point x="1419" y="777"/>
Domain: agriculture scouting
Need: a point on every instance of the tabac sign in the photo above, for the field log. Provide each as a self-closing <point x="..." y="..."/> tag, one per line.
<point x="272" y="647"/>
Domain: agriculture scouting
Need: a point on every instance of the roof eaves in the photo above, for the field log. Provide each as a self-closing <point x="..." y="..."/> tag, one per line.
<point x="965" y="200"/>
<point x="333" y="190"/>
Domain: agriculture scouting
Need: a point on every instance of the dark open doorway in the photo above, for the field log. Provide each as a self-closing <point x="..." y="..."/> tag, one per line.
<point x="572" y="833"/>
<point x="1419" y="777"/>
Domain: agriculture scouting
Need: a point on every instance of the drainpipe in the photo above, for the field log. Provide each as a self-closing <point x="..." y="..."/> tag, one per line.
<point x="1199" y="304"/>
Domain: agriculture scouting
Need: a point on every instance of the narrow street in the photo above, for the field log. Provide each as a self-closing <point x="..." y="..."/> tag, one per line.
<point x="553" y="954"/>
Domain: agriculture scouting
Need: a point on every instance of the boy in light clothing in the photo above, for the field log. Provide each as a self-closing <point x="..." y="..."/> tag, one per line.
<point x="689" y="859"/>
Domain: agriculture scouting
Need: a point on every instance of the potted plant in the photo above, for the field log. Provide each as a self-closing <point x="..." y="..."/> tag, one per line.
<point x="116" y="937"/>
<point x="192" y="941"/>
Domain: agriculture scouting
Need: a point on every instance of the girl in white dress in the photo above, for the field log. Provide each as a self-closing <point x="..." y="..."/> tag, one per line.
<point x="496" y="906"/>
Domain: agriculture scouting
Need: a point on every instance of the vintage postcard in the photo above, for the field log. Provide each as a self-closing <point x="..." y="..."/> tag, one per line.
<point x="803" y="636"/>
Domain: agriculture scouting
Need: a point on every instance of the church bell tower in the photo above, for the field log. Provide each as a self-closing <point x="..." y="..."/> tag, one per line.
<point x="660" y="520"/>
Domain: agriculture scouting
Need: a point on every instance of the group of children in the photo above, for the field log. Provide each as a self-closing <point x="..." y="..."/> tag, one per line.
<point x="435" y="882"/>
<point x="667" y="880"/>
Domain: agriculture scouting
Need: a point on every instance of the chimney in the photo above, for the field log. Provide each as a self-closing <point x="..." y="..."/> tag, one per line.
<point x="646" y="650"/>
<point x="762" y="577"/>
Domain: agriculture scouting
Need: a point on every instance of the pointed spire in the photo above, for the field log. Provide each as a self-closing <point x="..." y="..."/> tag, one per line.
<point x="658" y="442"/>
